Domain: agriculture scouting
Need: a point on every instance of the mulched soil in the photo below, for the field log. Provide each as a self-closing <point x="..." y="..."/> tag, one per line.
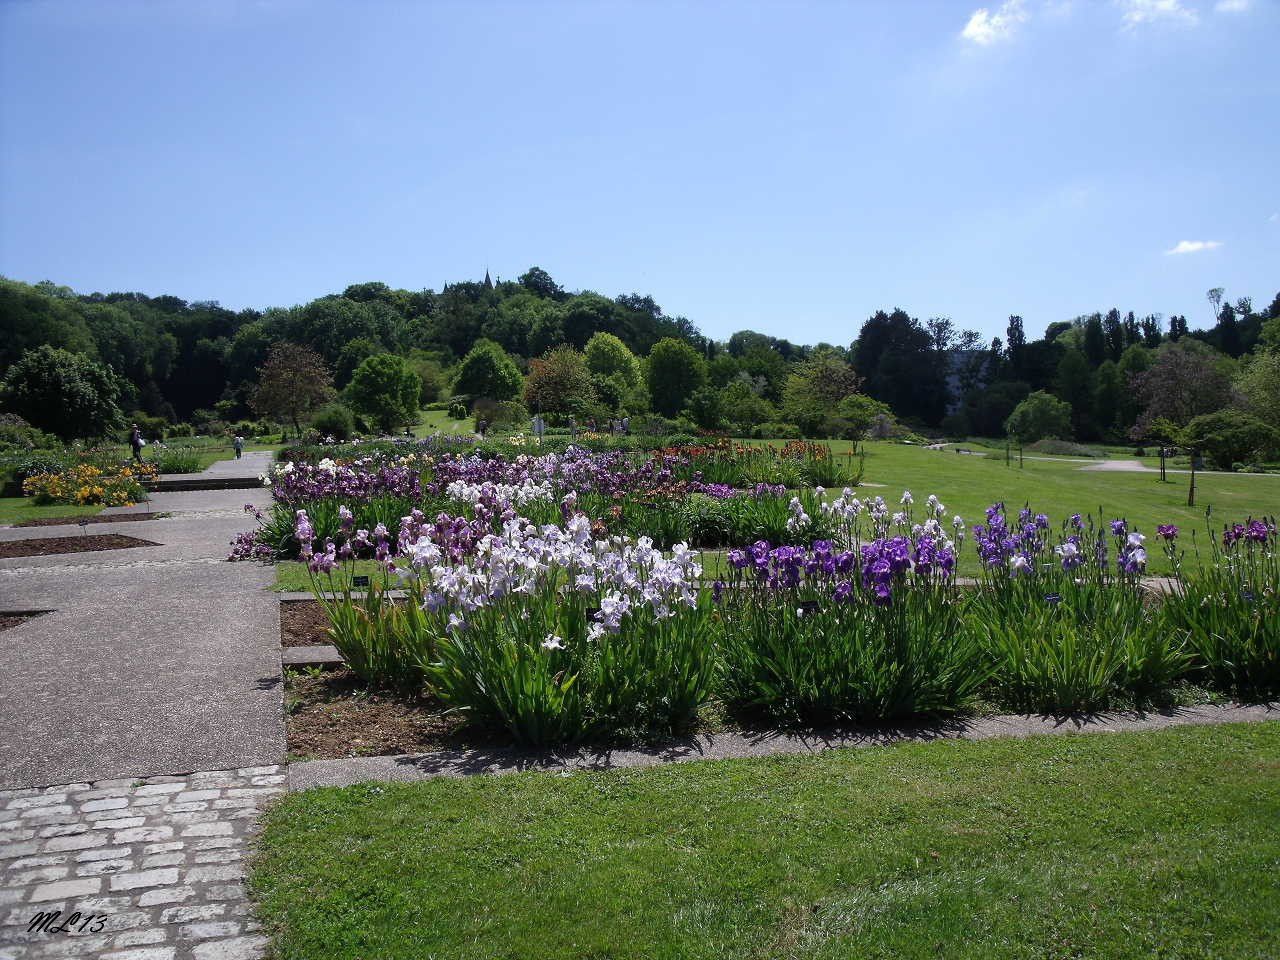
<point x="100" y="518"/>
<point x="8" y="620"/>
<point x="332" y="714"/>
<point x="303" y="623"/>
<point x="54" y="545"/>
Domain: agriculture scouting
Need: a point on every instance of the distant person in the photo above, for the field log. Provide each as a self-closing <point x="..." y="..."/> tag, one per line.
<point x="238" y="443"/>
<point x="626" y="426"/>
<point x="136" y="442"/>
<point x="539" y="426"/>
<point x="482" y="427"/>
<point x="573" y="428"/>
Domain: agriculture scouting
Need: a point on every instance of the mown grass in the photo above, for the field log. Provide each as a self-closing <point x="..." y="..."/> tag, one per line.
<point x="1123" y="845"/>
<point x="967" y="485"/>
<point x="439" y="421"/>
<point x="19" y="509"/>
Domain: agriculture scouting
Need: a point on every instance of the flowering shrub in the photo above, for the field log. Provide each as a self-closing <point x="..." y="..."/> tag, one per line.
<point x="85" y="484"/>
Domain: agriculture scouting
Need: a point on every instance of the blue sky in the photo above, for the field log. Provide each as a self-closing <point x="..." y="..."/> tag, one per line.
<point x="784" y="167"/>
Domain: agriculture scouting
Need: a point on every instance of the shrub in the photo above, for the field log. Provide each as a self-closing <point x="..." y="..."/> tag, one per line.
<point x="508" y="414"/>
<point x="335" y="420"/>
<point x="153" y="428"/>
<point x="175" y="459"/>
<point x="776" y="431"/>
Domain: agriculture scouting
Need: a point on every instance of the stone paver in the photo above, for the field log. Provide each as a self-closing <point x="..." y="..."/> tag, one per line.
<point x="168" y="885"/>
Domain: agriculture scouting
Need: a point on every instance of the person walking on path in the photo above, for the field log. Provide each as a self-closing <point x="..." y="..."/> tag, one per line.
<point x="136" y="442"/>
<point x="238" y="443"/>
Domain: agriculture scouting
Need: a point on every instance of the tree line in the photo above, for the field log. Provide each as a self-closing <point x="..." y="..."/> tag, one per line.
<point x="516" y="347"/>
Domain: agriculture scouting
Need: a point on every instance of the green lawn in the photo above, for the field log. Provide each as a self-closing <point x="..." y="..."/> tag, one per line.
<point x="439" y="421"/>
<point x="17" y="509"/>
<point x="293" y="575"/>
<point x="967" y="485"/>
<point x="1107" y="845"/>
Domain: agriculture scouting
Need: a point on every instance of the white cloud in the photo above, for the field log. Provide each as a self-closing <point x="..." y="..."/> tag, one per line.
<point x="985" y="28"/>
<point x="1193" y="246"/>
<point x="1231" y="6"/>
<point x="1137" y="12"/>
<point x="1274" y="218"/>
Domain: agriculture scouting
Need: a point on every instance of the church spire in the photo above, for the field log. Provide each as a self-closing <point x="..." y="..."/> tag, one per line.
<point x="487" y="282"/>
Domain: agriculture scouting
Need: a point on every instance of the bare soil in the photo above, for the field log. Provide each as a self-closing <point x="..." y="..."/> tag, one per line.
<point x="303" y="623"/>
<point x="49" y="546"/>
<point x="332" y="714"/>
<point x="100" y="518"/>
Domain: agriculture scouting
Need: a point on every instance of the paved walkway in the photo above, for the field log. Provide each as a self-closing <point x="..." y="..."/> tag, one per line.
<point x="154" y="868"/>
<point x="141" y="728"/>
<point x="251" y="466"/>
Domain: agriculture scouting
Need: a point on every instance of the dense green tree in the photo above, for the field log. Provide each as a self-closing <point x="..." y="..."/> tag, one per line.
<point x="1259" y="385"/>
<point x="487" y="371"/>
<point x="1232" y="436"/>
<point x="607" y="356"/>
<point x="814" y="390"/>
<point x="676" y="370"/>
<point x="67" y="394"/>
<point x="385" y="389"/>
<point x="705" y="408"/>
<point x="32" y="317"/>
<point x="897" y="357"/>
<point x="559" y="382"/>
<point x="1108" y="391"/>
<point x="1074" y="385"/>
<point x="1039" y="416"/>
<point x="539" y="282"/>
<point x="743" y="409"/>
<point x="353" y="353"/>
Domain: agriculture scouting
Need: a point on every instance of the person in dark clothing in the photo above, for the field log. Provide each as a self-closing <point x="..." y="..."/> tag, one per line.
<point x="135" y="441"/>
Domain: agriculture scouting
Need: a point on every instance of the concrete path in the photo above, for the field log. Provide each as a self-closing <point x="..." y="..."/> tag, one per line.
<point x="249" y="467"/>
<point x="720" y="746"/>
<point x="155" y="660"/>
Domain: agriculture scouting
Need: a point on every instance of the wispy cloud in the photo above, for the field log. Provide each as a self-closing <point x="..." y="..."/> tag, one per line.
<point x="1231" y="6"/>
<point x="1193" y="246"/>
<point x="1138" y="12"/>
<point x="985" y="28"/>
<point x="1274" y="218"/>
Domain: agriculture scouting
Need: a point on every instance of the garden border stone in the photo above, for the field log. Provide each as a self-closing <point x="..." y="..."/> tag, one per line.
<point x="720" y="746"/>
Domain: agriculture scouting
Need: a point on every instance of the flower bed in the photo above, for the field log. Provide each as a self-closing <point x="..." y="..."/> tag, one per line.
<point x="551" y="598"/>
<point x="87" y="484"/>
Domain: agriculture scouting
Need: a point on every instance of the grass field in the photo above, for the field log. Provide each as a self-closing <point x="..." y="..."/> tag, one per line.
<point x="968" y="484"/>
<point x="1106" y="846"/>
